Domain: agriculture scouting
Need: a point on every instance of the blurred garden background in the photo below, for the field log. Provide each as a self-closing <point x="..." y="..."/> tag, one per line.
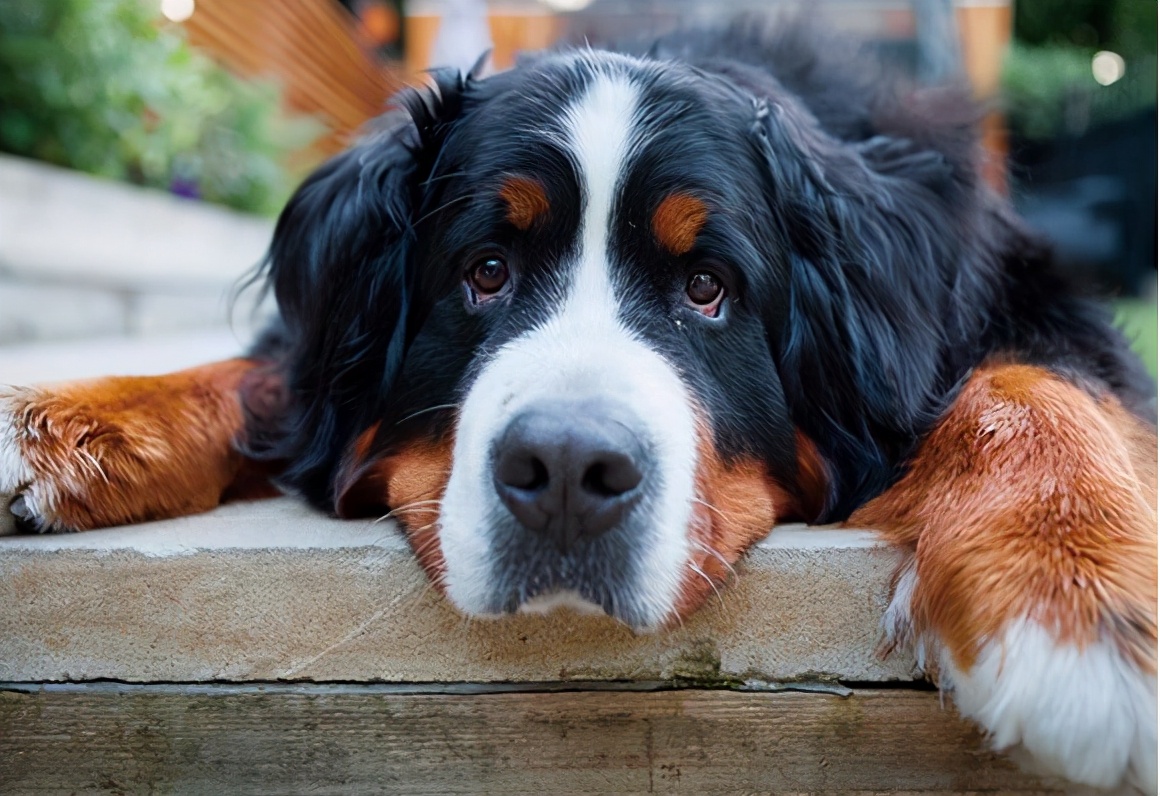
<point x="146" y="145"/>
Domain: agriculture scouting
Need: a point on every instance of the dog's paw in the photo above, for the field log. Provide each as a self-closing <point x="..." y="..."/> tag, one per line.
<point x="119" y="450"/>
<point x="1084" y="712"/>
<point x="69" y="464"/>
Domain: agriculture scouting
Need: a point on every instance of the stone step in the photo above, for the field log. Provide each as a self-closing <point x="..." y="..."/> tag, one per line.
<point x="83" y="256"/>
<point x="271" y="591"/>
<point x="60" y="226"/>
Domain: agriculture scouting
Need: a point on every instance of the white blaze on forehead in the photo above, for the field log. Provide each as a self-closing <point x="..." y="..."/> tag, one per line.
<point x="582" y="350"/>
<point x="601" y="134"/>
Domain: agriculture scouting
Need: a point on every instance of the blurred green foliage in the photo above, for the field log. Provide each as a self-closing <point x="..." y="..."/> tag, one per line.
<point x="1048" y="86"/>
<point x="107" y="87"/>
<point x="1126" y="26"/>
<point x="1137" y="317"/>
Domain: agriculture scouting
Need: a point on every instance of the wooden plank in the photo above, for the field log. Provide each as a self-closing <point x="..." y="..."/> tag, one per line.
<point x="357" y="739"/>
<point x="512" y="34"/>
<point x="985" y="30"/>
<point x="310" y="86"/>
<point x="419" y="33"/>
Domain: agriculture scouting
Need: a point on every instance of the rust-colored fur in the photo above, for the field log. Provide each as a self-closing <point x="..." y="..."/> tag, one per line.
<point x="525" y="199"/>
<point x="130" y="449"/>
<point x="1031" y="498"/>
<point x="677" y="221"/>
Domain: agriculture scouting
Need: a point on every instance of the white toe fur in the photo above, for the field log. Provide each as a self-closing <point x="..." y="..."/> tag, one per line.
<point x="1086" y="714"/>
<point x="896" y="624"/>
<point x="13" y="470"/>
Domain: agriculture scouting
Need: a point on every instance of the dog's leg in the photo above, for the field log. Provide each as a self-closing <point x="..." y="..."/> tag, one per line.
<point x="1030" y="590"/>
<point x="118" y="450"/>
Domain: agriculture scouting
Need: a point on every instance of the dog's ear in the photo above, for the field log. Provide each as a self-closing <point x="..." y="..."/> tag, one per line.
<point x="340" y="266"/>
<point x="869" y="240"/>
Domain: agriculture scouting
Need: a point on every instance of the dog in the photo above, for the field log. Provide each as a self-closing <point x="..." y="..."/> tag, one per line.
<point x="591" y="326"/>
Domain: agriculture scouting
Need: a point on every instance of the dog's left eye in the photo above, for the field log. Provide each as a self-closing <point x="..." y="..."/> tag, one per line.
<point x="488" y="275"/>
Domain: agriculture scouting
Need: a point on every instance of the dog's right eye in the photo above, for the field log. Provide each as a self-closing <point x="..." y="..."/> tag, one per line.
<point x="487" y="276"/>
<point x="704" y="293"/>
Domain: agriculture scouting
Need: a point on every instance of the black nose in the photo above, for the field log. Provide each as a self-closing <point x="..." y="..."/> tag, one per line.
<point x="568" y="470"/>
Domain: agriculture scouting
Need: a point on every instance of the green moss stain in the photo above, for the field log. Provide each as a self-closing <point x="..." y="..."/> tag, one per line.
<point x="700" y="665"/>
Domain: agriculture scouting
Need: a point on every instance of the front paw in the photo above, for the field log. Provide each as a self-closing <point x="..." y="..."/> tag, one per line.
<point x="1086" y="712"/>
<point x="119" y="450"/>
<point x="65" y="466"/>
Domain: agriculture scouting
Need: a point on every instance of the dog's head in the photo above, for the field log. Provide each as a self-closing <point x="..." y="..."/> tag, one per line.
<point x="590" y="327"/>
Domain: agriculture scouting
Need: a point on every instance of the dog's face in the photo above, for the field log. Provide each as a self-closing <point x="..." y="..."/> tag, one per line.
<point x="598" y="458"/>
<point x="553" y="332"/>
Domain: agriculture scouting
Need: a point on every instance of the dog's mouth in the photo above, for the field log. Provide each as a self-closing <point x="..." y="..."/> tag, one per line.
<point x="649" y="570"/>
<point x="550" y="597"/>
<point x="599" y="581"/>
<point x="575" y="603"/>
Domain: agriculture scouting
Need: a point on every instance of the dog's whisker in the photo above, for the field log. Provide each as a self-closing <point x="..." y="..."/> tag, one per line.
<point x="425" y="545"/>
<point x="715" y="554"/>
<point x="425" y="505"/>
<point x="425" y="411"/>
<point x="708" y="580"/>
<point x="415" y="507"/>
<point x="451" y="175"/>
<point x="711" y="507"/>
<point x="414" y="503"/>
<point x="411" y="510"/>
<point x="442" y="207"/>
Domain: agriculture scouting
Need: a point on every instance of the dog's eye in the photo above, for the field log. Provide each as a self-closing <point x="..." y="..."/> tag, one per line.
<point x="488" y="275"/>
<point x="705" y="293"/>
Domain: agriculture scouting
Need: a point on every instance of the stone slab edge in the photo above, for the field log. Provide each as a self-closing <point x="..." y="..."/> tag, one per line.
<point x="271" y="591"/>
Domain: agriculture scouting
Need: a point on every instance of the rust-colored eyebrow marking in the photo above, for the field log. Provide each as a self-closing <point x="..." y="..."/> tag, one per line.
<point x="525" y="199"/>
<point x="678" y="220"/>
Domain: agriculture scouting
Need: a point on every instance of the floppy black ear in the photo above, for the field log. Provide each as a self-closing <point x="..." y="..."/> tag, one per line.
<point x="870" y="237"/>
<point x="340" y="266"/>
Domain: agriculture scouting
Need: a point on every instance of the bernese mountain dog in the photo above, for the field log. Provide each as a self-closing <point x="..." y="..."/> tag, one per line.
<point x="588" y="328"/>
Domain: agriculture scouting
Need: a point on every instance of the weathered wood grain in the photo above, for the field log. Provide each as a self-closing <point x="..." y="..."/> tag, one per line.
<point x="363" y="739"/>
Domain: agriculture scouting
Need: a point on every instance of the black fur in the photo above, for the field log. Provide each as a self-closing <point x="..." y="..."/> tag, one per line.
<point x="340" y="266"/>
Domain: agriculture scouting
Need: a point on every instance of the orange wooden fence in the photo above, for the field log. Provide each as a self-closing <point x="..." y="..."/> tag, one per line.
<point x="311" y="47"/>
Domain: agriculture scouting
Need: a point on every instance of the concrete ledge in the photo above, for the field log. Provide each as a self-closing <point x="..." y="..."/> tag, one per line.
<point x="269" y="591"/>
